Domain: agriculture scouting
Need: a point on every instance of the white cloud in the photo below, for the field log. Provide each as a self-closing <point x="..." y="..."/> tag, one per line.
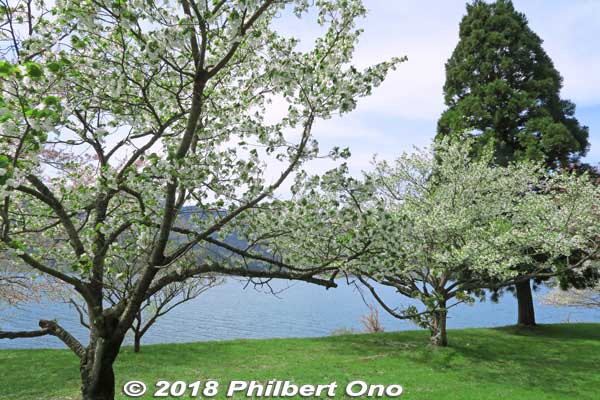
<point x="427" y="35"/>
<point x="411" y="99"/>
<point x="570" y="31"/>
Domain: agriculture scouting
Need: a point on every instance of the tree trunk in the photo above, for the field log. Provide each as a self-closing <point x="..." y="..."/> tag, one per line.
<point x="439" y="336"/>
<point x="97" y="375"/>
<point x="525" y="300"/>
<point x="136" y="343"/>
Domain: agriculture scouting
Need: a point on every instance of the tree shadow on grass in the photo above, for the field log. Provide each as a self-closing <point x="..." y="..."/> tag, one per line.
<point x="560" y="361"/>
<point x="585" y="331"/>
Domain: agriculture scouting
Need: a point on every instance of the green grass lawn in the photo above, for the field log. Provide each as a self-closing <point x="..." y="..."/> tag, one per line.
<point x="549" y="362"/>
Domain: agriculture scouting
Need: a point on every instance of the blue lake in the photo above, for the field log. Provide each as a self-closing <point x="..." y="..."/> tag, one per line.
<point x="231" y="311"/>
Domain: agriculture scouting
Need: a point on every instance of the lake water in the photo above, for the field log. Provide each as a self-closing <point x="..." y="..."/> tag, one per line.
<point x="231" y="311"/>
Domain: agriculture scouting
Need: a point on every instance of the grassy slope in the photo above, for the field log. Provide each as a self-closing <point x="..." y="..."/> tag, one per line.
<point x="550" y="362"/>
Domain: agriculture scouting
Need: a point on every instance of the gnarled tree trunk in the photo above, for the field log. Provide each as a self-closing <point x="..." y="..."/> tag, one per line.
<point x="439" y="336"/>
<point x="525" y="300"/>
<point x="96" y="368"/>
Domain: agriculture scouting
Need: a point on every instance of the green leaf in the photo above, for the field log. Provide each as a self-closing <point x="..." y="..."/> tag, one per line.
<point x="34" y="70"/>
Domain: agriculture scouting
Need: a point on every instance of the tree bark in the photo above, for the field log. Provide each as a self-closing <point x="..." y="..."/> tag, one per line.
<point x="439" y="336"/>
<point x="136" y="343"/>
<point x="23" y="334"/>
<point x="525" y="301"/>
<point x="56" y="330"/>
<point x="96" y="367"/>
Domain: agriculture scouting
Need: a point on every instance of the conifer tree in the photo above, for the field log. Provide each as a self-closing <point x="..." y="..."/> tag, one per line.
<point x="502" y="87"/>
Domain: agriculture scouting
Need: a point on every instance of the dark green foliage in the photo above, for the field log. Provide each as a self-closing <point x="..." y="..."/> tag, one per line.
<point x="503" y="87"/>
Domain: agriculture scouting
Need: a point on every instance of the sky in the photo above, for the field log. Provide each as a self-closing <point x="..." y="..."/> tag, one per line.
<point x="403" y="111"/>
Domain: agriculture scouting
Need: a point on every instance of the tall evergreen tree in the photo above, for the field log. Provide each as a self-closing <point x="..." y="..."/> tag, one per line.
<point x="502" y="88"/>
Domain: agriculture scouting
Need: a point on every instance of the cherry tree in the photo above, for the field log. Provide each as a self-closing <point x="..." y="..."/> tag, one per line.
<point x="587" y="298"/>
<point x="17" y="286"/>
<point x="443" y="226"/>
<point x="125" y="273"/>
<point x="167" y="100"/>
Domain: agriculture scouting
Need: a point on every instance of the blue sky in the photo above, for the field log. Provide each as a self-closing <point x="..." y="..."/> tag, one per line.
<point x="403" y="112"/>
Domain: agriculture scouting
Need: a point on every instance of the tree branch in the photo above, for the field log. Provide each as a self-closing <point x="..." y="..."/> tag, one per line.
<point x="48" y="328"/>
<point x="56" y="330"/>
<point x="23" y="334"/>
<point x="179" y="276"/>
<point x="45" y="195"/>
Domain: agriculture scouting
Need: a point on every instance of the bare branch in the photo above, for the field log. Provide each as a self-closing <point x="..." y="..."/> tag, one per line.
<point x="23" y="334"/>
